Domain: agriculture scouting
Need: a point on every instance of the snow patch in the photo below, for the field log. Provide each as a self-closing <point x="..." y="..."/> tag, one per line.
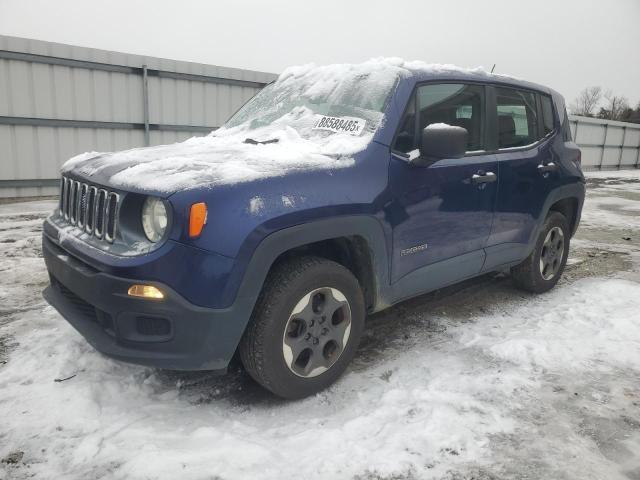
<point x="73" y="235"/>
<point x="288" y="202"/>
<point x="539" y="386"/>
<point x="438" y="126"/>
<point x="256" y="206"/>
<point x="601" y="209"/>
<point x="614" y="175"/>
<point x="433" y="407"/>
<point x="601" y="335"/>
<point x="79" y="159"/>
<point x="222" y="158"/>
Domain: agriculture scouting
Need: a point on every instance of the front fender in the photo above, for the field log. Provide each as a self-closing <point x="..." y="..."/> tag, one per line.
<point x="260" y="259"/>
<point x="271" y="247"/>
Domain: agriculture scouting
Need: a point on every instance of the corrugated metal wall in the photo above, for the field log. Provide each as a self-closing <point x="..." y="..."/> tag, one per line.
<point x="606" y="144"/>
<point x="59" y="100"/>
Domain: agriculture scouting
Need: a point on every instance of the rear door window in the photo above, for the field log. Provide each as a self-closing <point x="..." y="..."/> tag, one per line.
<point x="517" y="118"/>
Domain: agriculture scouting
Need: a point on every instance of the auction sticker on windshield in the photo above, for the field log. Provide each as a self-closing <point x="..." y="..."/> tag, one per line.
<point x="350" y="125"/>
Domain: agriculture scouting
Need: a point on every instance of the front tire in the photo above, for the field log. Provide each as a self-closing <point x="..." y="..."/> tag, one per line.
<point x="305" y="327"/>
<point x="542" y="269"/>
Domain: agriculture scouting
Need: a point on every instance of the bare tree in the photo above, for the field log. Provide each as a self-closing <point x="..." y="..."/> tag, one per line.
<point x="615" y="108"/>
<point x="587" y="102"/>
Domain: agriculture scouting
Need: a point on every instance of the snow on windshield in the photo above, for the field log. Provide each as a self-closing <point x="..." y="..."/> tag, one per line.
<point x="359" y="91"/>
<point x="305" y="116"/>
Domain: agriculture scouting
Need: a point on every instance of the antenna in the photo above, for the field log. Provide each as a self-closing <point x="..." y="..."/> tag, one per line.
<point x="493" y="68"/>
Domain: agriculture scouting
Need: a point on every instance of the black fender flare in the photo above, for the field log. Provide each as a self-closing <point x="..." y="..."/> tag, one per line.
<point x="572" y="191"/>
<point x="281" y="241"/>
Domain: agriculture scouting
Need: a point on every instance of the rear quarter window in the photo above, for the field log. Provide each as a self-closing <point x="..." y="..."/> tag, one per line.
<point x="566" y="129"/>
<point x="547" y="114"/>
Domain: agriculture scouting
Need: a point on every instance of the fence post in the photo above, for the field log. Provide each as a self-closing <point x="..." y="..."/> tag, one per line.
<point x="145" y="103"/>
<point x="637" y="164"/>
<point x="624" y="135"/>
<point x="604" y="145"/>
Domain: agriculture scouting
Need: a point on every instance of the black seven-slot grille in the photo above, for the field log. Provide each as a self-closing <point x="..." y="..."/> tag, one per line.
<point x="89" y="208"/>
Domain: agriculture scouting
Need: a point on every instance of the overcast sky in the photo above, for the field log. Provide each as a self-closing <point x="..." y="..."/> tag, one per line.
<point x="565" y="44"/>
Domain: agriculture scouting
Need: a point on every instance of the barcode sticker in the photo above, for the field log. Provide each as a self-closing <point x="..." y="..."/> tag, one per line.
<point x="350" y="125"/>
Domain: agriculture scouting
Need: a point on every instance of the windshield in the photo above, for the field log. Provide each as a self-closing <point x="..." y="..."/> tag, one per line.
<point x="303" y="96"/>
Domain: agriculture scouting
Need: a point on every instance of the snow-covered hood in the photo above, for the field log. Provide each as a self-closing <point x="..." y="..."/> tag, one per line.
<point x="221" y="158"/>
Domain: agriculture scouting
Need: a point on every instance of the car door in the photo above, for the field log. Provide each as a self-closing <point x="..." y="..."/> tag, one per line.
<point x="527" y="169"/>
<point x="441" y="214"/>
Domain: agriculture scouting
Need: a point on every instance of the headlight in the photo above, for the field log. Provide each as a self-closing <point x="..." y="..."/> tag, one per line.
<point x="154" y="218"/>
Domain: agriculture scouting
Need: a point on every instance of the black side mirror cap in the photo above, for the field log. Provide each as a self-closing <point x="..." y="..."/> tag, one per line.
<point x="440" y="141"/>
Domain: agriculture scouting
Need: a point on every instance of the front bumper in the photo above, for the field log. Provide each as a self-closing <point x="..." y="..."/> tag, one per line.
<point x="171" y="333"/>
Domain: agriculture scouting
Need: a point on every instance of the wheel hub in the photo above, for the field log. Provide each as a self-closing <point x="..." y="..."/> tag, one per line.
<point x="316" y="332"/>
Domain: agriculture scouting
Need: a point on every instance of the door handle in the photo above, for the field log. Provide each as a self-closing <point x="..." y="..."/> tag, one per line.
<point x="484" y="177"/>
<point x="549" y="167"/>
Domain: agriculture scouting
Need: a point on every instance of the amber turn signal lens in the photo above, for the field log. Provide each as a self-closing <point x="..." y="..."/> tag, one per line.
<point x="197" y="219"/>
<point x="145" y="291"/>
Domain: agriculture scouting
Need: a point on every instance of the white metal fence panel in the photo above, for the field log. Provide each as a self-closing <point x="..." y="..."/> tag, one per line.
<point x="606" y="144"/>
<point x="60" y="100"/>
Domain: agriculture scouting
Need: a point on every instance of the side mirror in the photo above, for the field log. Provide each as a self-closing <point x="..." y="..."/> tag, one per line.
<point x="439" y="141"/>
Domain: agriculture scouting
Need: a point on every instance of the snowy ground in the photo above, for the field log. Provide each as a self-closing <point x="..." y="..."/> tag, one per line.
<point x="477" y="382"/>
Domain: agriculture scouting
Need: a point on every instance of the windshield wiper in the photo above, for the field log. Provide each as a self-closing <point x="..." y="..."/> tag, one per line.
<point x="256" y="142"/>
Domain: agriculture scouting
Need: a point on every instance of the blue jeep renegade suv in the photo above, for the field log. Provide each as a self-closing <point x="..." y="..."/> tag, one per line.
<point x="335" y="192"/>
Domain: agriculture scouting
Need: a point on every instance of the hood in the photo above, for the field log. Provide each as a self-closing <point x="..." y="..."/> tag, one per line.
<point x="226" y="156"/>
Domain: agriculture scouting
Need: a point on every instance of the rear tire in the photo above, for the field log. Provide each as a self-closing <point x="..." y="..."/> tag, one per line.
<point x="305" y="327"/>
<point x="542" y="269"/>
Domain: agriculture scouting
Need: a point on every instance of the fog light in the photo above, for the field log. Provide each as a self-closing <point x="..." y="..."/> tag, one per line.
<point x="145" y="291"/>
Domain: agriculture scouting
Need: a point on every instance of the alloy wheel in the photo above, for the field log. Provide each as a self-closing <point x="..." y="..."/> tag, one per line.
<point x="552" y="253"/>
<point x="317" y="332"/>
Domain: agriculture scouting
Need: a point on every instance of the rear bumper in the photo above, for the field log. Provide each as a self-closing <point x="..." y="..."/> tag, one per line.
<point x="170" y="333"/>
